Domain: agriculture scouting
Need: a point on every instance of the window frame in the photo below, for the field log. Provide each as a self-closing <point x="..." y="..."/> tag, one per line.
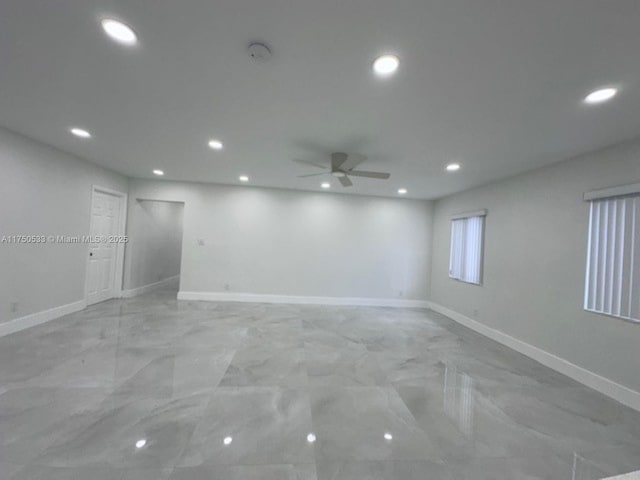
<point x="607" y="194"/>
<point x="481" y="214"/>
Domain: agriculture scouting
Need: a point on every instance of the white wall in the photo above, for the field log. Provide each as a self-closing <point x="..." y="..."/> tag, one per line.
<point x="280" y="242"/>
<point x="535" y="251"/>
<point x="155" y="242"/>
<point x="44" y="192"/>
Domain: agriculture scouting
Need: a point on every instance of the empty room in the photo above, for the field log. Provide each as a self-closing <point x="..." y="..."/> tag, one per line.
<point x="319" y="240"/>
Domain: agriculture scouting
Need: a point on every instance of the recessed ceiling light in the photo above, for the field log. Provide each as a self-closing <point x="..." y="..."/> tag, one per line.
<point x="452" y="167"/>
<point x="119" y="31"/>
<point x="601" y="95"/>
<point x="227" y="440"/>
<point x="158" y="172"/>
<point x="243" y="178"/>
<point x="141" y="443"/>
<point x="402" y="191"/>
<point x="386" y="65"/>
<point x="80" y="132"/>
<point x="215" y="144"/>
<point x="326" y="185"/>
<point x="311" y="438"/>
<point x="388" y="436"/>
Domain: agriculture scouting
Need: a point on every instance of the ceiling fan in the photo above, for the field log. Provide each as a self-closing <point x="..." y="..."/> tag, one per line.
<point x="342" y="167"/>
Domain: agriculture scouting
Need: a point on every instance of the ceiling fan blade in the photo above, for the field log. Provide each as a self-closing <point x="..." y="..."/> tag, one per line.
<point x="352" y="160"/>
<point x="313" y="174"/>
<point x="362" y="173"/>
<point x="345" y="181"/>
<point x="309" y="162"/>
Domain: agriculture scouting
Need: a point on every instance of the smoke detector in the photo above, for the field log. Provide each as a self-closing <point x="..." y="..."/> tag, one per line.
<point x="259" y="52"/>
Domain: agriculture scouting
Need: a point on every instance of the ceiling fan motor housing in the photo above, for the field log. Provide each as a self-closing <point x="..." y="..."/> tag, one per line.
<point x="337" y="159"/>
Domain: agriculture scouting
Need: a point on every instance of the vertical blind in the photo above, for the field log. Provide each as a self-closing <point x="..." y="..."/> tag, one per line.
<point x="612" y="283"/>
<point x="465" y="261"/>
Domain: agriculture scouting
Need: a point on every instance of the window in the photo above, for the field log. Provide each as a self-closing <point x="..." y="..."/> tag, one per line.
<point x="467" y="235"/>
<point x="612" y="284"/>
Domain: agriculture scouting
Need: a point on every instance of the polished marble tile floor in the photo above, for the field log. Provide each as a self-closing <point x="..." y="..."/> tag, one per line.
<point x="153" y="388"/>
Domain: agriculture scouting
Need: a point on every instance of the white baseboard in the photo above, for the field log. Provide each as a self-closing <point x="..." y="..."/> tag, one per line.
<point x="301" y="300"/>
<point x="39" y="318"/>
<point x="629" y="476"/>
<point x="134" y="292"/>
<point x="618" y="392"/>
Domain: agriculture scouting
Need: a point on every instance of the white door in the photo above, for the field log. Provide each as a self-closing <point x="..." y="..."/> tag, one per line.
<point x="103" y="255"/>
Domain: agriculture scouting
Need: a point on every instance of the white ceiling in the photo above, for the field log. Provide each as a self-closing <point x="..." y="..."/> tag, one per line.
<point x="494" y="84"/>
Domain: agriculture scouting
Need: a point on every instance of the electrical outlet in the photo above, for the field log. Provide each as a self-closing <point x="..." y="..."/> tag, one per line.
<point x="13" y="306"/>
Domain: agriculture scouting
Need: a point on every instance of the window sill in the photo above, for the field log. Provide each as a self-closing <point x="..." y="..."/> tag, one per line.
<point x="465" y="282"/>
<point x="624" y="319"/>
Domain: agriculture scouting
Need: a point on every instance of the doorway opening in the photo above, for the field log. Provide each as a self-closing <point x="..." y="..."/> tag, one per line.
<point x="154" y="251"/>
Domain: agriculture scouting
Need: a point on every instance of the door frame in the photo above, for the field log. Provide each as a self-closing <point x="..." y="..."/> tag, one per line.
<point x="120" y="246"/>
